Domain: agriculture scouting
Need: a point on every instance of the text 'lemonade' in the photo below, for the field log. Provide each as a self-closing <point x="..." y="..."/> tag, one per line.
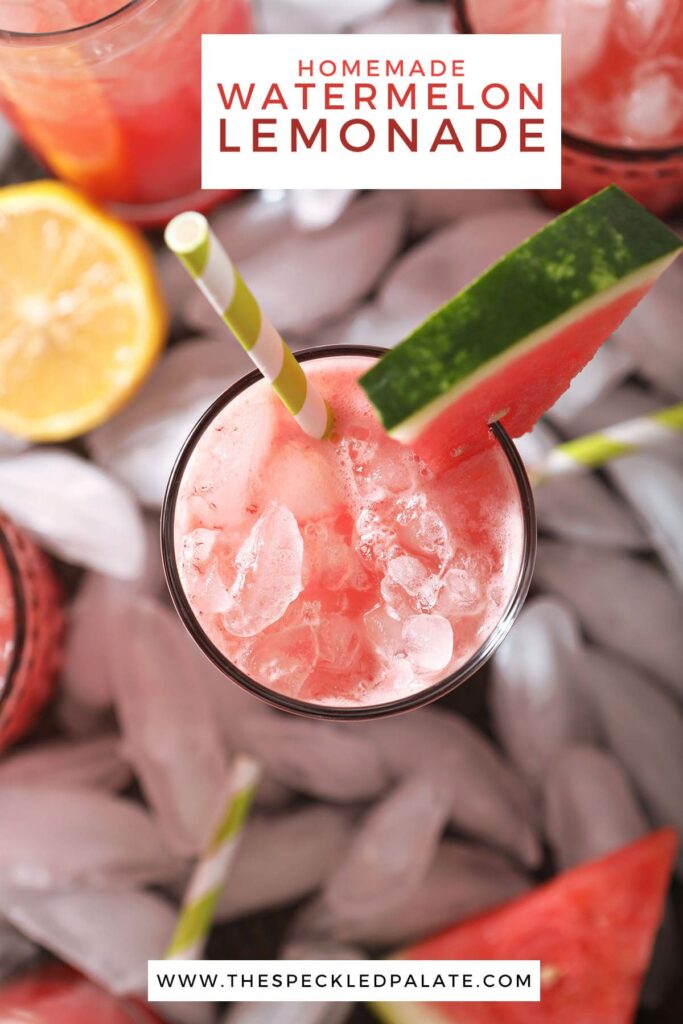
<point x="111" y="100"/>
<point x="342" y="572"/>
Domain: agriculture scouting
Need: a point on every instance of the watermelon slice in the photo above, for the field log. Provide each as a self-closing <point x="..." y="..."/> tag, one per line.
<point x="592" y="928"/>
<point x="509" y="345"/>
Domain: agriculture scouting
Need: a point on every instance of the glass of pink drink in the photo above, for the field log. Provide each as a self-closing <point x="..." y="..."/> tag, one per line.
<point x="341" y="578"/>
<point x="622" y="90"/>
<point x="108" y="94"/>
<point x="31" y="628"/>
<point x="56" y="995"/>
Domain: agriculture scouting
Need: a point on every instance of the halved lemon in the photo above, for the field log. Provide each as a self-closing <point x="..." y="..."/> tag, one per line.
<point x="82" y="318"/>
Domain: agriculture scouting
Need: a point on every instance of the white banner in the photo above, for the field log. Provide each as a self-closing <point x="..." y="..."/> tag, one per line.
<point x="381" y="111"/>
<point x="393" y="981"/>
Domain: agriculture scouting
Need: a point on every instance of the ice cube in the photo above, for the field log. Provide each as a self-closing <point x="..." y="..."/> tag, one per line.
<point x="11" y="445"/>
<point x="75" y="510"/>
<point x="654" y="487"/>
<point x="585" y="27"/>
<point x="94" y="763"/>
<point x="435" y="270"/>
<point x="463" y="589"/>
<point x="489" y="800"/>
<point x="302" y="480"/>
<point x="330" y="19"/>
<point x="538" y="707"/>
<point x="359" y="246"/>
<point x="392" y="849"/>
<point x="626" y="604"/>
<point x="642" y="23"/>
<point x="91" y="637"/>
<point x="432" y="209"/>
<point x="590" y="808"/>
<point x="339" y="644"/>
<point x="384" y="632"/>
<point x="330" y="560"/>
<point x="141" y="443"/>
<point x="288" y="1013"/>
<point x="463" y="880"/>
<point x="422" y="529"/>
<point x="377" y="540"/>
<point x="170" y="735"/>
<point x="284" y="857"/>
<point x="284" y="658"/>
<point x="651" y="112"/>
<point x="644" y="728"/>
<point x="627" y="402"/>
<point x="416" y="580"/>
<point x="269" y="573"/>
<point x="316" y="208"/>
<point x="578" y="507"/>
<point x="321" y="759"/>
<point x="609" y="367"/>
<point x="108" y="935"/>
<point x="651" y="334"/>
<point x="408" y="18"/>
<point x="428" y="642"/>
<point x="64" y="836"/>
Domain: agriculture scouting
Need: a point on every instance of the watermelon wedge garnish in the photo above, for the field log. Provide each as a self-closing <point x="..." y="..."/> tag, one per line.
<point x="592" y="928"/>
<point x="509" y="345"/>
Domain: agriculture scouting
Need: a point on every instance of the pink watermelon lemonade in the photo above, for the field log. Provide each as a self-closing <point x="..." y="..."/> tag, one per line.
<point x="31" y="628"/>
<point x="108" y="93"/>
<point x="342" y="576"/>
<point x="622" y="72"/>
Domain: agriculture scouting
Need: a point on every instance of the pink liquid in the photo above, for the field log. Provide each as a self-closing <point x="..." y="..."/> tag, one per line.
<point x="622" y="71"/>
<point x="341" y="572"/>
<point x="57" y="996"/>
<point x="125" y="129"/>
<point x="622" y="63"/>
<point x="30" y="633"/>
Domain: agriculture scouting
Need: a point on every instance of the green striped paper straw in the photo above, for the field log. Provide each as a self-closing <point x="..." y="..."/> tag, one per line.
<point x="595" y="450"/>
<point x="211" y="871"/>
<point x="190" y="237"/>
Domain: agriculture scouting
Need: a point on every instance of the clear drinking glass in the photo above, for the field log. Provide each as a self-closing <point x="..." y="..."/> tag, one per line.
<point x="108" y="94"/>
<point x="31" y="629"/>
<point x="622" y="93"/>
<point x="524" y="504"/>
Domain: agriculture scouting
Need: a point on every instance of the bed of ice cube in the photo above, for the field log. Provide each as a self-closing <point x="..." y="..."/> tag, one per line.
<point x="371" y="835"/>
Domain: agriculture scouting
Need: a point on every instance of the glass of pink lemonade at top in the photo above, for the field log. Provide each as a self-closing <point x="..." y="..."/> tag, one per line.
<point x="55" y="995"/>
<point x="622" y="72"/>
<point x="342" y="578"/>
<point x="108" y="94"/>
<point x="31" y="628"/>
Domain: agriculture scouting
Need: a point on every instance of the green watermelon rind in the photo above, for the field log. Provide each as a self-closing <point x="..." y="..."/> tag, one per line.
<point x="605" y="247"/>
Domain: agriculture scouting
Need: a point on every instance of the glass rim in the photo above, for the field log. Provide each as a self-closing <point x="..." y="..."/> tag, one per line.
<point x="19" y="599"/>
<point x="588" y="147"/>
<point x="12" y="37"/>
<point x="330" y="712"/>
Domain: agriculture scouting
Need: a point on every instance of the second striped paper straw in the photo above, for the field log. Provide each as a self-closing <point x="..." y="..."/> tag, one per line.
<point x="595" y="450"/>
<point x="208" y="879"/>
<point x="190" y="237"/>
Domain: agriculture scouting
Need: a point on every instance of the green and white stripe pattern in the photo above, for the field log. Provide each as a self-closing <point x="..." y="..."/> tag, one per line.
<point x="626" y="438"/>
<point x="190" y="237"/>
<point x="208" y="879"/>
